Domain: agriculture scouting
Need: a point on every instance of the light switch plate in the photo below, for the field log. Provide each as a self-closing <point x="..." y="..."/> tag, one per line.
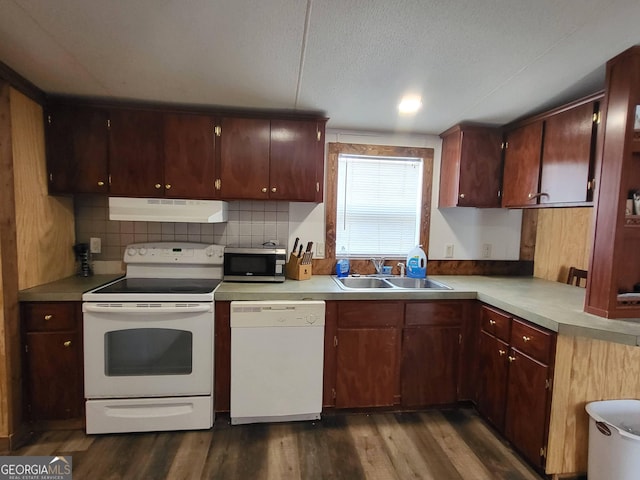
<point x="95" y="245"/>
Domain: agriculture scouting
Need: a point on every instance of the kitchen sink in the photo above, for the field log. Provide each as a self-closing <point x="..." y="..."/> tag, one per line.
<point x="362" y="282"/>
<point x="351" y="283"/>
<point x="406" y="282"/>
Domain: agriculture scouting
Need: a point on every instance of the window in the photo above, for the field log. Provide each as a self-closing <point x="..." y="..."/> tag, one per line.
<point x="378" y="205"/>
<point x="378" y="200"/>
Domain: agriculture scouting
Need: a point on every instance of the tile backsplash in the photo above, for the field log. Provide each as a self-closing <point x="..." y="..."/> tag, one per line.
<point x="250" y="224"/>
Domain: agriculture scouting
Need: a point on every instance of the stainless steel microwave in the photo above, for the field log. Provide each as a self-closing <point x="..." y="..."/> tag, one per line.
<point x="254" y="264"/>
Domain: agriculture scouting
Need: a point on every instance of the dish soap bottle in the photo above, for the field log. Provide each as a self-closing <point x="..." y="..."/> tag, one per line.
<point x="342" y="267"/>
<point x="417" y="263"/>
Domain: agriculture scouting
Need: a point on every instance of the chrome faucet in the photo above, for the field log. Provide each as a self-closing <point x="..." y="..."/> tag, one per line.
<point x="378" y="263"/>
<point x="401" y="265"/>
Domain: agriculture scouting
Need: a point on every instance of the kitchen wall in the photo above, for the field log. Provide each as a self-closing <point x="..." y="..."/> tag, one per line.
<point x="467" y="229"/>
<point x="251" y="223"/>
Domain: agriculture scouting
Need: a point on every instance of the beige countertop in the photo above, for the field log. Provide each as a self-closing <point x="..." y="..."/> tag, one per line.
<point x="68" y="289"/>
<point x="553" y="305"/>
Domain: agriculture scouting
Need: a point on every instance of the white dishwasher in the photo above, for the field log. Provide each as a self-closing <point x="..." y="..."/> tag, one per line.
<point x="277" y="354"/>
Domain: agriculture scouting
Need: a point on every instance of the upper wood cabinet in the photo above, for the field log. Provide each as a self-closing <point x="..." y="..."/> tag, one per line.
<point x="126" y="151"/>
<point x="522" y="166"/>
<point x="271" y="159"/>
<point x="568" y="153"/>
<point x="471" y="167"/>
<point x="297" y="160"/>
<point x="189" y="156"/>
<point x="77" y="145"/>
<point x="244" y="158"/>
<point x="136" y="157"/>
<point x="550" y="159"/>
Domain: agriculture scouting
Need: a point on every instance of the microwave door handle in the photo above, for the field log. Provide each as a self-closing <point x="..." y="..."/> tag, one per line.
<point x="97" y="308"/>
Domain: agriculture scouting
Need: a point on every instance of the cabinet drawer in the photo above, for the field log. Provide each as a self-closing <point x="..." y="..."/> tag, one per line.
<point x="41" y="316"/>
<point x="433" y="313"/>
<point x="496" y="323"/>
<point x="535" y="342"/>
<point x="369" y="314"/>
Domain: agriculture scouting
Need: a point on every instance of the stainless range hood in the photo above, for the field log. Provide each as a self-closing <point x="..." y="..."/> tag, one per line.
<point x="167" y="210"/>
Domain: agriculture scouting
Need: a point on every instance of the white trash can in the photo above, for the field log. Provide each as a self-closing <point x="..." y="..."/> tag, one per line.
<point x="614" y="440"/>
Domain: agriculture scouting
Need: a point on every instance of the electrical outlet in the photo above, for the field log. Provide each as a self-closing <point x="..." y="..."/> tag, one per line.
<point x="486" y="250"/>
<point x="448" y="250"/>
<point x="95" y="245"/>
<point x="320" y="250"/>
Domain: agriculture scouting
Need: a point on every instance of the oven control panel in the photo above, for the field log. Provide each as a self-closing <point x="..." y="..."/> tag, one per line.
<point x="174" y="252"/>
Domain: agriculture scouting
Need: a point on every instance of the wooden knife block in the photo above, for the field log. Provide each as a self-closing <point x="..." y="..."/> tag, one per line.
<point x="295" y="270"/>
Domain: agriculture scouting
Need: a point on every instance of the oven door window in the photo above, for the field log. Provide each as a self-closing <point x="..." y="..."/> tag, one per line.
<point x="148" y="351"/>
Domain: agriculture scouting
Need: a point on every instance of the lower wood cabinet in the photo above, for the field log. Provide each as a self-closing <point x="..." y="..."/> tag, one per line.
<point x="367" y="346"/>
<point x="52" y="359"/>
<point x="514" y="382"/>
<point x="431" y="348"/>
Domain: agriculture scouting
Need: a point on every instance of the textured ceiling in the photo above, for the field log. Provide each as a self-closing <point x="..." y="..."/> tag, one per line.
<point x="485" y="60"/>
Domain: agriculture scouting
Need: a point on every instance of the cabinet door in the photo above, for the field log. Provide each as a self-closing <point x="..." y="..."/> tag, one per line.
<point x="366" y="367"/>
<point x="77" y="148"/>
<point x="294" y="156"/>
<point x="244" y="158"/>
<point x="54" y="360"/>
<point x="527" y="398"/>
<point x="136" y="153"/>
<point x="522" y="166"/>
<point x="492" y="380"/>
<point x="471" y="168"/>
<point x="189" y="156"/>
<point x="429" y="371"/>
<point x="567" y="155"/>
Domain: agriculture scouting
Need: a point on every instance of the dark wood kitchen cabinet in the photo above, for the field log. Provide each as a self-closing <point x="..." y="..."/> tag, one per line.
<point x="77" y="141"/>
<point x="222" y="353"/>
<point x="189" y="156"/>
<point x="52" y="359"/>
<point x="136" y="157"/>
<point x="431" y="350"/>
<point x="522" y="166"/>
<point x="273" y="159"/>
<point x="244" y="158"/>
<point x="529" y="390"/>
<point x="568" y="155"/>
<point x="471" y="167"/>
<point x="515" y="362"/>
<point x="367" y="344"/>
<point x="549" y="159"/>
<point x="493" y="347"/>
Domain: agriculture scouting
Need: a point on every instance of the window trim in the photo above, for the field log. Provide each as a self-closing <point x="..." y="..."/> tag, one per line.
<point x="335" y="149"/>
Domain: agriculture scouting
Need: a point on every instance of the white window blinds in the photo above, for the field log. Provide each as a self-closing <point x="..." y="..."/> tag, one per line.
<point x="378" y="207"/>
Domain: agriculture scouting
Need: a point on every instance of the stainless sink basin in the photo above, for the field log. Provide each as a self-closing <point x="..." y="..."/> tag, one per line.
<point x="351" y="283"/>
<point x="406" y="282"/>
<point x="362" y="282"/>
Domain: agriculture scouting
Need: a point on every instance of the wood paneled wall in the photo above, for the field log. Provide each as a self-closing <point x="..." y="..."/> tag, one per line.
<point x="45" y="225"/>
<point x="36" y="238"/>
<point x="586" y="370"/>
<point x="563" y="240"/>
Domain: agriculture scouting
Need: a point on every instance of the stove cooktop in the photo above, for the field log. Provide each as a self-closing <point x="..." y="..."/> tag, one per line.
<point x="160" y="286"/>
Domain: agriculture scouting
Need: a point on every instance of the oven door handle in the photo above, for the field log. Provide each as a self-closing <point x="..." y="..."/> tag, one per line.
<point x="98" y="308"/>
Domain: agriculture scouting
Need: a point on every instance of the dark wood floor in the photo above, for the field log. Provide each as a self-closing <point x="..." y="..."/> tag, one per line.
<point x="438" y="445"/>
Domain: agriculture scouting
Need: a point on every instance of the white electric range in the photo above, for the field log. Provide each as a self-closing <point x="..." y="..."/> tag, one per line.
<point x="148" y="341"/>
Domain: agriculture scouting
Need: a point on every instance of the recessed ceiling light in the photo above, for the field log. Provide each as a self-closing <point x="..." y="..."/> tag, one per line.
<point x="410" y="104"/>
